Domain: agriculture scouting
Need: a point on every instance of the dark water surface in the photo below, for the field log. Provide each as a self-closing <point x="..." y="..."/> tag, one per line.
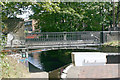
<point x="55" y="59"/>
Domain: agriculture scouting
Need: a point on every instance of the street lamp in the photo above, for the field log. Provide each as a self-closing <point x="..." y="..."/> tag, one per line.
<point x="102" y="34"/>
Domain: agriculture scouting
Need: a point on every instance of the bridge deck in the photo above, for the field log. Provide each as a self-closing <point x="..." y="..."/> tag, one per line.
<point x="66" y="40"/>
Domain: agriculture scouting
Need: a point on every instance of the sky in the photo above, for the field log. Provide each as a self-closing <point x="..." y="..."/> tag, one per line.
<point x="26" y="14"/>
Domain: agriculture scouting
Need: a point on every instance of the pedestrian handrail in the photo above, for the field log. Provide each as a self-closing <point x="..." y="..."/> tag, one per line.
<point x="63" y="37"/>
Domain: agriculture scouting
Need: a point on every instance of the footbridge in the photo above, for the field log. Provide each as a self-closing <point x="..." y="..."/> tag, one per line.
<point x="43" y="41"/>
<point x="62" y="40"/>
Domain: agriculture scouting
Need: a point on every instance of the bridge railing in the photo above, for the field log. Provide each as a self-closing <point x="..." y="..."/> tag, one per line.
<point x="50" y="38"/>
<point x="109" y="36"/>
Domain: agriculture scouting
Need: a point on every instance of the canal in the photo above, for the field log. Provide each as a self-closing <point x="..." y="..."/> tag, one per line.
<point x="53" y="59"/>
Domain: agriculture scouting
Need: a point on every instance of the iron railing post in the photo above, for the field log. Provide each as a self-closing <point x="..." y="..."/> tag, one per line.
<point x="65" y="36"/>
<point x="102" y="35"/>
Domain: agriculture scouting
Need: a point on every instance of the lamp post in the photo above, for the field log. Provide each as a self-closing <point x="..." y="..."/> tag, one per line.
<point x="102" y="35"/>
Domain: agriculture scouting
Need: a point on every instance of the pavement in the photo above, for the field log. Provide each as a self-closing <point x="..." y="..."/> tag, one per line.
<point x="39" y="75"/>
<point x="100" y="71"/>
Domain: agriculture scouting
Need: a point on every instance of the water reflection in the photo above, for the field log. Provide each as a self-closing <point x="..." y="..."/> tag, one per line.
<point x="50" y="60"/>
<point x="34" y="60"/>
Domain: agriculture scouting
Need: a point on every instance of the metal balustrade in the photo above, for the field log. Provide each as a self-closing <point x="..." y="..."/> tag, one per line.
<point x="67" y="39"/>
<point x="111" y="36"/>
<point x="62" y="38"/>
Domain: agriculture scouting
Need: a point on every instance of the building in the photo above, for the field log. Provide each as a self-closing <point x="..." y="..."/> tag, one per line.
<point x="30" y="25"/>
<point x="15" y="31"/>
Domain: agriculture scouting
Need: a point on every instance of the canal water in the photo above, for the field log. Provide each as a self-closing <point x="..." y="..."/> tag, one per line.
<point x="51" y="60"/>
<point x="54" y="59"/>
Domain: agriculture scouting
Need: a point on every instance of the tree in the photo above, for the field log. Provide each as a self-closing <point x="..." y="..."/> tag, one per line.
<point x="118" y="13"/>
<point x="65" y="16"/>
<point x="74" y="16"/>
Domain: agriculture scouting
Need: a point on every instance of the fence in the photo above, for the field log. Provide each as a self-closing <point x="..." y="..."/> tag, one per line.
<point x="49" y="38"/>
<point x="109" y="36"/>
<point x="67" y="38"/>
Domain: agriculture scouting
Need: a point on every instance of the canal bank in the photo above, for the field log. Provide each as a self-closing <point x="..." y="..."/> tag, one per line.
<point x="11" y="68"/>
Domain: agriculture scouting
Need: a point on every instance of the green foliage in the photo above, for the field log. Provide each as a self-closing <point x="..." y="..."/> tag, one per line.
<point x="112" y="43"/>
<point x="4" y="64"/>
<point x="2" y="55"/>
<point x="11" y="9"/>
<point x="66" y="16"/>
<point x="74" y="16"/>
<point x="13" y="70"/>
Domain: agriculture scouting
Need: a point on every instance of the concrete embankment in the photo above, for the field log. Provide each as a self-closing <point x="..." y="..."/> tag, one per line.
<point x="101" y="71"/>
<point x="39" y="75"/>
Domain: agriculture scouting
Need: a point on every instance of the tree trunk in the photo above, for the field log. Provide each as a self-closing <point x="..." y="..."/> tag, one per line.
<point x="113" y="14"/>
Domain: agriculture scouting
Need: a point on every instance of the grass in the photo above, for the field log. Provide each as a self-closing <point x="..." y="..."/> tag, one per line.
<point x="12" y="69"/>
<point x="113" y="43"/>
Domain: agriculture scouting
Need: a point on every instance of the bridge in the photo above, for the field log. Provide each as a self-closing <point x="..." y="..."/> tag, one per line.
<point x="44" y="41"/>
<point x="66" y="40"/>
<point x="62" y="40"/>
